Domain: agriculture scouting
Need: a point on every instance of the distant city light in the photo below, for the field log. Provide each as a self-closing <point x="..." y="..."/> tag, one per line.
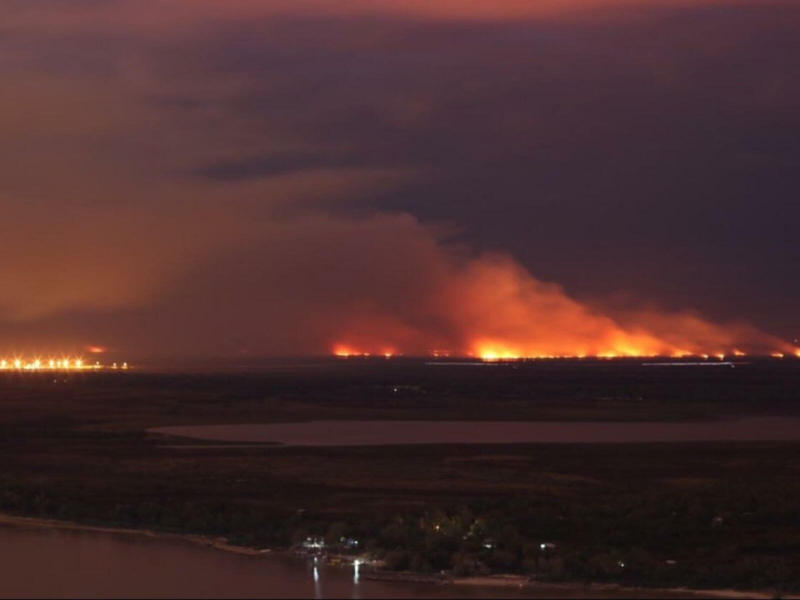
<point x="37" y="364"/>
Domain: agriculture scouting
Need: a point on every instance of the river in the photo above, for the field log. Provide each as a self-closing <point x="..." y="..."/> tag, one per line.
<point x="372" y="433"/>
<point x="61" y="563"/>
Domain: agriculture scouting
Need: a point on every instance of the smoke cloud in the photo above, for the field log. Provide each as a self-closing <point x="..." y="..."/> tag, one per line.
<point x="276" y="178"/>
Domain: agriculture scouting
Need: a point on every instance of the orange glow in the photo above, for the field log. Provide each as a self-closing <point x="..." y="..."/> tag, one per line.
<point x="498" y="352"/>
<point x="346" y="352"/>
<point x="440" y="9"/>
<point x="494" y="355"/>
<point x="96" y="349"/>
<point x="342" y="351"/>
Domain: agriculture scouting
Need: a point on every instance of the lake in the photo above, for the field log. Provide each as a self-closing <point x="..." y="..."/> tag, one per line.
<point x="374" y="433"/>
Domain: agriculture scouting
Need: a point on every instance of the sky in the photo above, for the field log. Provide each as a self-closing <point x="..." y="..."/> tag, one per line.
<point x="201" y="178"/>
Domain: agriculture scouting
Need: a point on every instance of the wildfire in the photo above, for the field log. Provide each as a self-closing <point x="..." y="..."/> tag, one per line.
<point x="71" y="364"/>
<point x="492" y="355"/>
<point x="346" y="351"/>
<point x="492" y="309"/>
<point x="496" y="352"/>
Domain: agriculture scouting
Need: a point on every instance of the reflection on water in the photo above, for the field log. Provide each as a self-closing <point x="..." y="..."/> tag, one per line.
<point x="59" y="563"/>
<point x="375" y="433"/>
<point x="42" y="563"/>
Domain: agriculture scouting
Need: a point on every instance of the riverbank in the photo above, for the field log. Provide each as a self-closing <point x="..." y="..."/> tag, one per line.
<point x="518" y="582"/>
<point x="217" y="543"/>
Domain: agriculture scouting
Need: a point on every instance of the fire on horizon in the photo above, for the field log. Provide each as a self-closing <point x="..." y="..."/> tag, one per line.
<point x="496" y="353"/>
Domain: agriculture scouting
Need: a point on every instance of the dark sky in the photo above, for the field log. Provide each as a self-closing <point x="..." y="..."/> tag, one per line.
<point x="201" y="177"/>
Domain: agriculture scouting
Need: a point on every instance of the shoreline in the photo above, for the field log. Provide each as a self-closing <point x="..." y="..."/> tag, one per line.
<point x="521" y="582"/>
<point x="217" y="543"/>
<point x="496" y="581"/>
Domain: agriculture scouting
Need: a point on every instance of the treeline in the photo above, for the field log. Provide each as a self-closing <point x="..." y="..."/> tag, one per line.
<point x="727" y="536"/>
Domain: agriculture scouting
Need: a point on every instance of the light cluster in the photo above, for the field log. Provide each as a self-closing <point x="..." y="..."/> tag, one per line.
<point x="55" y="364"/>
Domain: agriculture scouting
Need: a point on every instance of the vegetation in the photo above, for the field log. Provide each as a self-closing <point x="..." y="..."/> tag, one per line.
<point x="700" y="515"/>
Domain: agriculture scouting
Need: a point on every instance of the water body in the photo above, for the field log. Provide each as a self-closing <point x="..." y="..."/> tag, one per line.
<point x="54" y="563"/>
<point x="379" y="433"/>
